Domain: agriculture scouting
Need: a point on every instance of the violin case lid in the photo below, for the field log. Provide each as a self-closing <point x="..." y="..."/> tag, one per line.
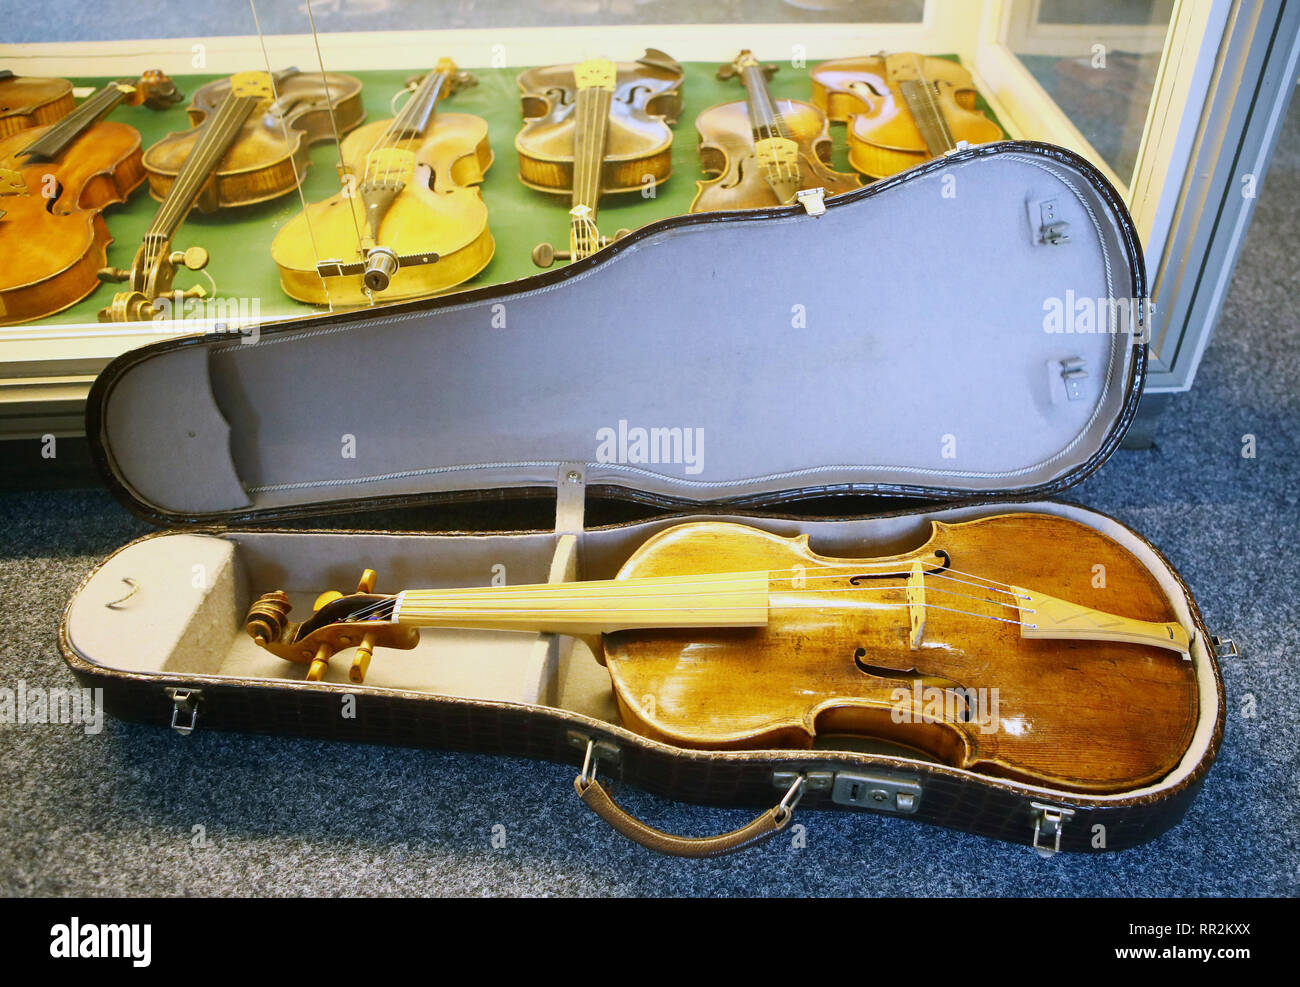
<point x="971" y="328"/>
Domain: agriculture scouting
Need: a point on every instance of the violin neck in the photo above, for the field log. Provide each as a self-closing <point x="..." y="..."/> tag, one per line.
<point x="733" y="599"/>
<point x="58" y="136"/>
<point x="414" y="119"/>
<point x="591" y="130"/>
<point x="764" y="116"/>
<point x="908" y="73"/>
<point x="222" y="129"/>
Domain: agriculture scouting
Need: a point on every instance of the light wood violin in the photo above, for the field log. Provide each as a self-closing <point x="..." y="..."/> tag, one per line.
<point x="55" y="182"/>
<point x="32" y="102"/>
<point x="901" y="109"/>
<point x="407" y="222"/>
<point x="989" y="647"/>
<point x="763" y="151"/>
<point x="248" y="144"/>
<point x="593" y="129"/>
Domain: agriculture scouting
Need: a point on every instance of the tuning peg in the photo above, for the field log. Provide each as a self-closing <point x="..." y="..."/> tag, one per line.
<point x="326" y="598"/>
<point x="361" y="660"/>
<point x="366" y="584"/>
<point x="726" y="72"/>
<point x="195" y="258"/>
<point x="109" y="275"/>
<point x="319" y="663"/>
<point x="544" y="255"/>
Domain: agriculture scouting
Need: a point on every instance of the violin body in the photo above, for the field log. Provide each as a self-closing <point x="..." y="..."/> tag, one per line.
<point x="646" y="99"/>
<point x="1082" y="715"/>
<point x="32" y="102"/>
<point x="50" y="249"/>
<point x="260" y="163"/>
<point x="55" y="182"/>
<point x="727" y="153"/>
<point x="437" y="212"/>
<point x="901" y="109"/>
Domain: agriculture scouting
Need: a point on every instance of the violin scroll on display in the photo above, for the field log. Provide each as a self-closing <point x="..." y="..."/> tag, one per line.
<point x="763" y="151"/>
<point x="593" y="129"/>
<point x="248" y="144"/>
<point x="901" y="109"/>
<point x="409" y="221"/>
<point x="55" y="182"/>
<point x="978" y="649"/>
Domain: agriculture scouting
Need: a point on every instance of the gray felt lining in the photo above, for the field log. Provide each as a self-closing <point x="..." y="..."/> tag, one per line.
<point x="898" y="339"/>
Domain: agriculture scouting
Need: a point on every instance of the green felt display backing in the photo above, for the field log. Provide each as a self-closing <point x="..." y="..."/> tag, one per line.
<point x="239" y="240"/>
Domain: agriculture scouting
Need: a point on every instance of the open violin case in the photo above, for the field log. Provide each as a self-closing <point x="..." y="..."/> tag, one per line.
<point x="894" y="343"/>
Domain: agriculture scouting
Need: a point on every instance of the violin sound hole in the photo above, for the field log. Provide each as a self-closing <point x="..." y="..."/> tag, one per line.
<point x="957" y="697"/>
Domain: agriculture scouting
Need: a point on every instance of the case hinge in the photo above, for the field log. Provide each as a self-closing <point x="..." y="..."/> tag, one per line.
<point x="877" y="790"/>
<point x="185" y="710"/>
<point x="1051" y="228"/>
<point x="1049" y="822"/>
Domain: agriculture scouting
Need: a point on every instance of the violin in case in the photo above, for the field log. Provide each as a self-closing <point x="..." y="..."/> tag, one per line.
<point x="966" y="336"/>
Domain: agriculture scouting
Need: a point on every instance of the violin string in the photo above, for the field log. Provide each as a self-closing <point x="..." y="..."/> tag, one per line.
<point x="338" y="144"/>
<point x="932" y="103"/>
<point x="201" y="161"/>
<point x="427" y="613"/>
<point x="284" y="129"/>
<point x="992" y="586"/>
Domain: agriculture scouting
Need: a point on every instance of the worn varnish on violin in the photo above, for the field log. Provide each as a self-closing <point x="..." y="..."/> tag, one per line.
<point x="901" y="109"/>
<point x="408" y="221"/>
<point x="593" y="129"/>
<point x="249" y="144"/>
<point x="987" y="648"/>
<point x="763" y="150"/>
<point x="27" y="101"/>
<point x="55" y="182"/>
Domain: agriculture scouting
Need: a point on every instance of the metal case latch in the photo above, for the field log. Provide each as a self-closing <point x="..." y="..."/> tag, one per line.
<point x="1224" y="647"/>
<point x="883" y="792"/>
<point x="813" y="200"/>
<point x="1049" y="821"/>
<point x="185" y="710"/>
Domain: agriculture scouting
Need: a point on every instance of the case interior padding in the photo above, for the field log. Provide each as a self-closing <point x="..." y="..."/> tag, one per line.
<point x="185" y="617"/>
<point x="895" y="343"/>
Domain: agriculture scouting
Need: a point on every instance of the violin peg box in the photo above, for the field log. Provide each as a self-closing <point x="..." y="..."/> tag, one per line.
<point x="913" y="357"/>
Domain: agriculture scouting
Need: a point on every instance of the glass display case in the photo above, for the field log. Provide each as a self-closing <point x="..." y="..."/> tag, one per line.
<point x="1176" y="102"/>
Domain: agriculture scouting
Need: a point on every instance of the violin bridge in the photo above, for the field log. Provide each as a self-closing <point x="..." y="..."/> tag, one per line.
<point x="916" y="603"/>
<point x="779" y="158"/>
<point x="1046" y="617"/>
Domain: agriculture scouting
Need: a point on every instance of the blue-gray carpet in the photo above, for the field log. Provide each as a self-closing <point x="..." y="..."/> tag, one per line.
<point x="117" y="813"/>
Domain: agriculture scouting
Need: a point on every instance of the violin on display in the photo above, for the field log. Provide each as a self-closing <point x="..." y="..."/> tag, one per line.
<point x="763" y="151"/>
<point x="978" y="649"/>
<point x="408" y="221"/>
<point x="248" y="144"/>
<point x="593" y="129"/>
<point x="55" y="182"/>
<point x="32" y="102"/>
<point x="901" y="109"/>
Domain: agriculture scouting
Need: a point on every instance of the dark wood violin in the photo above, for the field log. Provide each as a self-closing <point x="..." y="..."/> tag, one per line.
<point x="762" y="150"/>
<point x="981" y="648"/>
<point x="596" y="128"/>
<point x="901" y="109"/>
<point x="55" y="182"/>
<point x="249" y="143"/>
<point x="32" y="102"/>
<point x="408" y="221"/>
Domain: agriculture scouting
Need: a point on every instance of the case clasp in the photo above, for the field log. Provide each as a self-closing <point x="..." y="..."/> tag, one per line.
<point x="1049" y="823"/>
<point x="185" y="710"/>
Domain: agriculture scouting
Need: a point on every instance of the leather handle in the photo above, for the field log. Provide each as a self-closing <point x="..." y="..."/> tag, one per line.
<point x="768" y="824"/>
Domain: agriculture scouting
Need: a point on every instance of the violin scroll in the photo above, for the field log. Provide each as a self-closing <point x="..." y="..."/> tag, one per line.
<point x="361" y="620"/>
